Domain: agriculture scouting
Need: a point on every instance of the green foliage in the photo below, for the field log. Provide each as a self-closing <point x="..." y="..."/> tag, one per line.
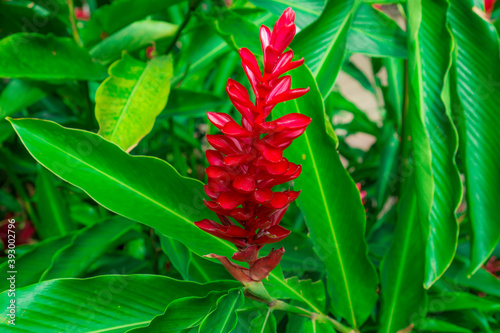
<point x="102" y="158"/>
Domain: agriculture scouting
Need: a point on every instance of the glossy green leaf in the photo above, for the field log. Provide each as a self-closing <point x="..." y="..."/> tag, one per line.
<point x="178" y="254"/>
<point x="434" y="325"/>
<point x="183" y="102"/>
<point x="110" y="18"/>
<point x="138" y="188"/>
<point x="87" y="246"/>
<point x="432" y="59"/>
<point x="263" y="323"/>
<point x="131" y="38"/>
<point x="404" y="266"/>
<point x="182" y="314"/>
<point x="312" y="292"/>
<point x="374" y="34"/>
<point x="453" y="301"/>
<point x="88" y="305"/>
<point x="40" y="57"/>
<point x="224" y="317"/>
<point x="18" y="95"/>
<point x="128" y="102"/>
<point x="306" y="325"/>
<point x="52" y="208"/>
<point x="33" y="16"/>
<point x="306" y="11"/>
<point x="33" y="262"/>
<point x="481" y="281"/>
<point x="323" y="43"/>
<point x="479" y="93"/>
<point x="351" y="278"/>
<point x="238" y="31"/>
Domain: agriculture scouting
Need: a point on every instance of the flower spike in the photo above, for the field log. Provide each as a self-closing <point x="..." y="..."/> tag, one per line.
<point x="248" y="158"/>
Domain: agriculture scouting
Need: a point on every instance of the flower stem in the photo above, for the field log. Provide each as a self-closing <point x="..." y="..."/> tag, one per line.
<point x="258" y="292"/>
<point x="72" y="20"/>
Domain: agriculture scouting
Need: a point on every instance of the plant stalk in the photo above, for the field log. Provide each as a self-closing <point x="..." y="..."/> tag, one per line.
<point x="72" y="20"/>
<point x="258" y="292"/>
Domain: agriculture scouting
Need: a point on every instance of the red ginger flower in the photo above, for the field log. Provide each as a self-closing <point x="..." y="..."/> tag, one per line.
<point x="488" y="7"/>
<point x="248" y="159"/>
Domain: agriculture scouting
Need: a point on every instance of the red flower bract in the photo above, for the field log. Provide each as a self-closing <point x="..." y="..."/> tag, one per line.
<point x="248" y="157"/>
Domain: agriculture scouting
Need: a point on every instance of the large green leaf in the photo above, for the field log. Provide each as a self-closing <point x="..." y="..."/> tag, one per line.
<point x="87" y="245"/>
<point x="40" y="57"/>
<point x="131" y="38"/>
<point x="144" y="189"/>
<point x="182" y="313"/>
<point x="431" y="62"/>
<point x="403" y="268"/>
<point x="128" y="102"/>
<point x="34" y="261"/>
<point x="52" y="208"/>
<point x="374" y="34"/>
<point x="306" y="11"/>
<point x="263" y="323"/>
<point x="112" y="303"/>
<point x="481" y="281"/>
<point x="293" y="288"/>
<point x="108" y="19"/>
<point x="224" y="317"/>
<point x="461" y="301"/>
<point x="478" y="77"/>
<point x="332" y="208"/>
<point x="238" y="31"/>
<point x="433" y="325"/>
<point x="323" y="43"/>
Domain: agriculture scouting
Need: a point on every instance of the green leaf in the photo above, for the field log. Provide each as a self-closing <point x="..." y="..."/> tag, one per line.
<point x="404" y="266"/>
<point x="238" y="31"/>
<point x="178" y="254"/>
<point x="373" y="33"/>
<point x="306" y="325"/>
<point x="453" y="301"/>
<point x="18" y="95"/>
<point x="223" y="319"/>
<point x="328" y="199"/>
<point x="434" y="325"/>
<point x="479" y="93"/>
<point x="431" y="59"/>
<point x="128" y="102"/>
<point x="306" y="11"/>
<point x="182" y="314"/>
<point x="41" y="57"/>
<point x="312" y="292"/>
<point x="52" y="208"/>
<point x="112" y="303"/>
<point x="108" y="19"/>
<point x="482" y="280"/>
<point x="131" y="38"/>
<point x="139" y="188"/>
<point x="184" y="102"/>
<point x="323" y="43"/>
<point x="34" y="262"/>
<point x="263" y="323"/>
<point x="86" y="247"/>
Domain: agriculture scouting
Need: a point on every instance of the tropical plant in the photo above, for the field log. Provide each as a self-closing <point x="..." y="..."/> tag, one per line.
<point x="356" y="177"/>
